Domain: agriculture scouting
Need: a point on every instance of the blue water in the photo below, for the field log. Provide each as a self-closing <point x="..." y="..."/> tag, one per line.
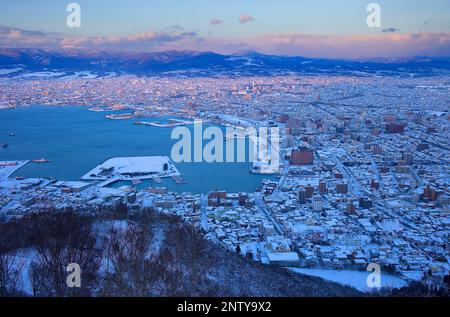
<point x="76" y="140"/>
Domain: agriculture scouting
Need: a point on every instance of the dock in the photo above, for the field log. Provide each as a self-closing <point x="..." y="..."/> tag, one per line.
<point x="108" y="182"/>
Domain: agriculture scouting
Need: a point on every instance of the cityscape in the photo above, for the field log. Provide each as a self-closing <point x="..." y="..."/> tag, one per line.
<point x="363" y="158"/>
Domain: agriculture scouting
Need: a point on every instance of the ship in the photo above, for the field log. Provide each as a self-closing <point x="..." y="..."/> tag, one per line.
<point x="41" y="161"/>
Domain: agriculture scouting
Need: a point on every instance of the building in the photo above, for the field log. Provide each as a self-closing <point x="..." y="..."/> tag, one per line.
<point x="323" y="188"/>
<point x="402" y="168"/>
<point x="423" y="147"/>
<point x="351" y="208"/>
<point x="302" y="156"/>
<point x="309" y="191"/>
<point x="317" y="203"/>
<point x="394" y="128"/>
<point x="301" y="199"/>
<point x="216" y="199"/>
<point x="375" y="184"/>
<point x="342" y="188"/>
<point x="429" y="194"/>
<point x="284" y="259"/>
<point x="443" y="201"/>
<point x="365" y="203"/>
<point x="377" y="150"/>
<point x="242" y="199"/>
<point x="407" y="158"/>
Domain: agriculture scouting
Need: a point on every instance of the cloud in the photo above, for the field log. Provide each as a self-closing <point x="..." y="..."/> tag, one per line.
<point x="390" y="30"/>
<point x="215" y="21"/>
<point x="22" y="38"/>
<point x="140" y="41"/>
<point x="356" y="46"/>
<point x="245" y="17"/>
<point x="364" y="46"/>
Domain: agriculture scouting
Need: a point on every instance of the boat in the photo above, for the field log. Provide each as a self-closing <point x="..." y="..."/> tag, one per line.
<point x="41" y="161"/>
<point x="5" y="145"/>
<point x="12" y="134"/>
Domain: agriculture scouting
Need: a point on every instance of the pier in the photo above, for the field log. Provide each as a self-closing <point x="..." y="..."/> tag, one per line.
<point x="173" y="123"/>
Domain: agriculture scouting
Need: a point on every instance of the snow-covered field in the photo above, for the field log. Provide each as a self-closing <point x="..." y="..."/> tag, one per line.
<point x="7" y="71"/>
<point x="128" y="168"/>
<point x="41" y="75"/>
<point x="84" y="74"/>
<point x="356" y="279"/>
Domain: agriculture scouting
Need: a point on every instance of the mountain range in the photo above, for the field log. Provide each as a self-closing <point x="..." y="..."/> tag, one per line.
<point x="19" y="62"/>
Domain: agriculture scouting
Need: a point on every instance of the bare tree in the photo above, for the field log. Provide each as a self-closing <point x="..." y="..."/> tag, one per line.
<point x="131" y="269"/>
<point x="11" y="268"/>
<point x="64" y="238"/>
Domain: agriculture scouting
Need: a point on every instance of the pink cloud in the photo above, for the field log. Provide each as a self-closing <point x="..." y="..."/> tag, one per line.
<point x="356" y="46"/>
<point x="245" y="17"/>
<point x="389" y="44"/>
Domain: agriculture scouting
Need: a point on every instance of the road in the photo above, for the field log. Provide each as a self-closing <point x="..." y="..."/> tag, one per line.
<point x="261" y="204"/>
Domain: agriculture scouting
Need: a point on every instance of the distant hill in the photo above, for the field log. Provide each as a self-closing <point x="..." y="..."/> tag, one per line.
<point x="17" y="62"/>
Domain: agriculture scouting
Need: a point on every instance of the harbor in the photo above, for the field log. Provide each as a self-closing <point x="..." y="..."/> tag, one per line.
<point x="74" y="146"/>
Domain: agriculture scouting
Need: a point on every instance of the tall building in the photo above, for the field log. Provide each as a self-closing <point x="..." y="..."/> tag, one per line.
<point x="317" y="203"/>
<point x="242" y="199"/>
<point x="430" y="194"/>
<point x="342" y="188"/>
<point x="302" y="156"/>
<point x="217" y="198"/>
<point x="351" y="208"/>
<point x="377" y="150"/>
<point x="309" y="191"/>
<point x="301" y="199"/>
<point x="375" y="184"/>
<point x="365" y="203"/>
<point x="323" y="188"/>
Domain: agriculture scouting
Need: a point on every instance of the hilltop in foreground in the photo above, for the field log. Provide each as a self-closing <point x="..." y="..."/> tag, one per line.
<point x="151" y="255"/>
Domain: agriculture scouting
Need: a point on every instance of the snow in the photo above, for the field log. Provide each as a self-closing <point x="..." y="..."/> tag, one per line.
<point x="23" y="259"/>
<point x="72" y="184"/>
<point x="83" y="74"/>
<point x="6" y="71"/>
<point x="128" y="168"/>
<point x="283" y="257"/>
<point x="356" y="279"/>
<point x="7" y="168"/>
<point x="413" y="275"/>
<point x="41" y="75"/>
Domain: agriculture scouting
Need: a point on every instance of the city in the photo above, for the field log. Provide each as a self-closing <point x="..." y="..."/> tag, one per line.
<point x="362" y="181"/>
<point x="225" y="156"/>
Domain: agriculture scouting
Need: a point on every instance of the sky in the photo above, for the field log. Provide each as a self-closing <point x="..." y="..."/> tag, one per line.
<point x="312" y="28"/>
